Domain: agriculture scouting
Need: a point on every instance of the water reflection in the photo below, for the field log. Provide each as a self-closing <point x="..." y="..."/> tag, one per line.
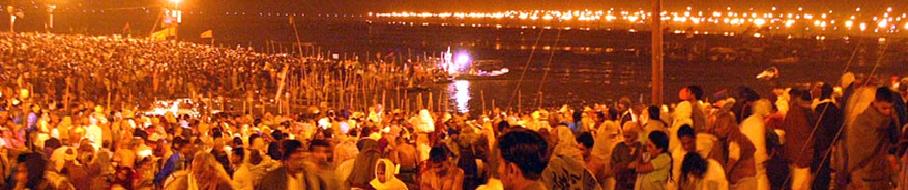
<point x="459" y="91"/>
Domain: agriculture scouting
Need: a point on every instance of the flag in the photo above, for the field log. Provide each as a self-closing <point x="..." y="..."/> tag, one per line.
<point x="164" y="34"/>
<point x="207" y="34"/>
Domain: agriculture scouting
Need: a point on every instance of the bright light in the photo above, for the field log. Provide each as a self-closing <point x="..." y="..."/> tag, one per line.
<point x="849" y="24"/>
<point x="758" y="35"/>
<point x="862" y="26"/>
<point x="789" y="23"/>
<point x="462" y="61"/>
<point x="459" y="91"/>
<point x="175" y="1"/>
<point x="882" y="24"/>
<point x="759" y="22"/>
<point x="906" y="26"/>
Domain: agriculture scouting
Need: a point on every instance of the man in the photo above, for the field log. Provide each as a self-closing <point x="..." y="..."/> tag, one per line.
<point x="799" y="126"/>
<point x="292" y="174"/>
<point x="868" y="141"/>
<point x="439" y="173"/>
<point x="829" y="124"/>
<point x="739" y="163"/>
<point x="405" y="154"/>
<point x="694" y="94"/>
<point x="523" y="156"/>
<point x="176" y="162"/>
<point x="626" y="152"/>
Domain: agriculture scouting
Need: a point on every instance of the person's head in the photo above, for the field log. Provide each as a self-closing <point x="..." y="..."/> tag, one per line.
<point x="255" y="157"/>
<point x="577" y="116"/>
<point x="384" y="170"/>
<point x="826" y="91"/>
<point x="238" y="155"/>
<point x="688" y="138"/>
<point x="206" y="166"/>
<point x="631" y="135"/>
<point x="586" y="139"/>
<point x="30" y="169"/>
<point x="690" y="93"/>
<point x="693" y="165"/>
<point x="321" y="149"/>
<point x="883" y="101"/>
<point x="293" y="155"/>
<point x="800" y="97"/>
<point x="438" y="158"/>
<point x="524" y="154"/>
<point x="658" y="142"/>
<point x="181" y="145"/>
<point x="653" y="112"/>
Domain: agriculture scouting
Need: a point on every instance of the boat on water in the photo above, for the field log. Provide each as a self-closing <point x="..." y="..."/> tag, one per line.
<point x="461" y="67"/>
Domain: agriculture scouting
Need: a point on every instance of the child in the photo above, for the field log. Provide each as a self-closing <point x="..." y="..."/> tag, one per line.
<point x="653" y="169"/>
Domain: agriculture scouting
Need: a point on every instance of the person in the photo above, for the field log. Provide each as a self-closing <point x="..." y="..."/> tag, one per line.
<point x="693" y="95"/>
<point x="566" y="169"/>
<point x="624" y="153"/>
<point x="101" y="170"/>
<point x="653" y="173"/>
<point x="523" y="156"/>
<point x="405" y="154"/>
<point x="798" y="149"/>
<point x="829" y="125"/>
<point x="701" y="174"/>
<point x="175" y="162"/>
<point x="293" y="173"/>
<point x="361" y="169"/>
<point x="738" y="159"/>
<point x="439" y="173"/>
<point x="250" y="172"/>
<point x="384" y="177"/>
<point x="867" y="143"/>
<point x="607" y="136"/>
<point x="754" y="128"/>
<point x="653" y="122"/>
<point x="204" y="173"/>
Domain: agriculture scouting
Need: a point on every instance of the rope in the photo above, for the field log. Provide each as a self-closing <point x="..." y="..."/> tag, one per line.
<point x="525" y="66"/>
<point x="549" y="66"/>
<point x="853" y="53"/>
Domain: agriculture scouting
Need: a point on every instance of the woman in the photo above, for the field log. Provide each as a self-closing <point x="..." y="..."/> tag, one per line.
<point x="206" y="173"/>
<point x="362" y="170"/>
<point x="384" y="177"/>
<point x="653" y="174"/>
<point x="698" y="173"/>
<point x="100" y="169"/>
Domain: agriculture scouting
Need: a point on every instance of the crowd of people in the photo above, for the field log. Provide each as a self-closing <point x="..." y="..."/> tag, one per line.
<point x="821" y="136"/>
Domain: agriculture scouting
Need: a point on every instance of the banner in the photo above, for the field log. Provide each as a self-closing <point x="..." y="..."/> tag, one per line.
<point x="164" y="34"/>
<point x="207" y="34"/>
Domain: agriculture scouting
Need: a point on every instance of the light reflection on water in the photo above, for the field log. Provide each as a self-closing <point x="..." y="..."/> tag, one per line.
<point x="459" y="91"/>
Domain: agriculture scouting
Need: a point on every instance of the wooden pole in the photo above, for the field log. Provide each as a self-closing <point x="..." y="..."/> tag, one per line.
<point x="657" y="69"/>
<point x="482" y="99"/>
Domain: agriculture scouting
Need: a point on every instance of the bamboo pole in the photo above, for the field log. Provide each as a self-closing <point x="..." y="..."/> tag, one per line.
<point x="482" y="99"/>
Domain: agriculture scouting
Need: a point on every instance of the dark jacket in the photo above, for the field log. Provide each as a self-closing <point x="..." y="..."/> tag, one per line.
<point x="830" y="123"/>
<point x="799" y="124"/>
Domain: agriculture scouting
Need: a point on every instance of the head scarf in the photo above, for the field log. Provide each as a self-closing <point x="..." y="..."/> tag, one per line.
<point x="364" y="164"/>
<point x="606" y="137"/>
<point x="61" y="155"/>
<point x="567" y="146"/>
<point x="391" y="182"/>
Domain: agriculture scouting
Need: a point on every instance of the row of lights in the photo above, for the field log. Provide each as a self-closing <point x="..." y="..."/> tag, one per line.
<point x="823" y="20"/>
